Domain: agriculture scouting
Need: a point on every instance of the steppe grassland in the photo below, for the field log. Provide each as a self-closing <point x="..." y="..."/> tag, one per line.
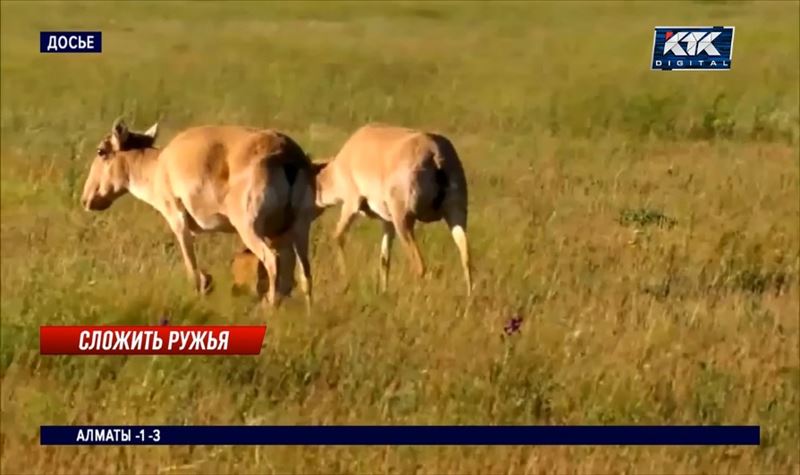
<point x="644" y="224"/>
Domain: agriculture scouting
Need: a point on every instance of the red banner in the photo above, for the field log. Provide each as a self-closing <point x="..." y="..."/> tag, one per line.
<point x="151" y="340"/>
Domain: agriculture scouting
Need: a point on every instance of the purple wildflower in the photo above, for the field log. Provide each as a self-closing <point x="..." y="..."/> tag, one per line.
<point x="513" y="325"/>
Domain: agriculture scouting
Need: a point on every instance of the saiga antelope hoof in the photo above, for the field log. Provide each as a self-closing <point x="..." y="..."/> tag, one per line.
<point x="267" y="305"/>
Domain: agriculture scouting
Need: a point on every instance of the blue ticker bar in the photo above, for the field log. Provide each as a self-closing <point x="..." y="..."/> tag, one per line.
<point x="400" y="435"/>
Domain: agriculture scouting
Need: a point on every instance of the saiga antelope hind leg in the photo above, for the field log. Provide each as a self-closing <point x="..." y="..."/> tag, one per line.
<point x="300" y="235"/>
<point x="457" y="223"/>
<point x="404" y="225"/>
<point x="267" y="256"/>
<point x="386" y="254"/>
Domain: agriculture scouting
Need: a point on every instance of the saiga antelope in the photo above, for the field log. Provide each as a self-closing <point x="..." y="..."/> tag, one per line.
<point x="214" y="178"/>
<point x="400" y="176"/>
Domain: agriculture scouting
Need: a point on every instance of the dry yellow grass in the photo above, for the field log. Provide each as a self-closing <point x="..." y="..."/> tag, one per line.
<point x="645" y="229"/>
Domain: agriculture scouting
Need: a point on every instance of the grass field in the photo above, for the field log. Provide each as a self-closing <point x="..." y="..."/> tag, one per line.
<point x="644" y="224"/>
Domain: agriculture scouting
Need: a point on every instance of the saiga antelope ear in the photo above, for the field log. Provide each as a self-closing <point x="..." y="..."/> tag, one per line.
<point x="119" y="134"/>
<point x="152" y="131"/>
<point x="317" y="167"/>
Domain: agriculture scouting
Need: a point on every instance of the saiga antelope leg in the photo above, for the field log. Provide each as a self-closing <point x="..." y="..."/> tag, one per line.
<point x="300" y="232"/>
<point x="349" y="213"/>
<point x="267" y="256"/>
<point x="201" y="280"/>
<point x="457" y="222"/>
<point x="386" y="254"/>
<point x="404" y="225"/>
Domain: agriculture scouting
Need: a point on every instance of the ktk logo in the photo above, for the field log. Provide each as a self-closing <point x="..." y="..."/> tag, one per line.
<point x="696" y="43"/>
<point x="692" y="48"/>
